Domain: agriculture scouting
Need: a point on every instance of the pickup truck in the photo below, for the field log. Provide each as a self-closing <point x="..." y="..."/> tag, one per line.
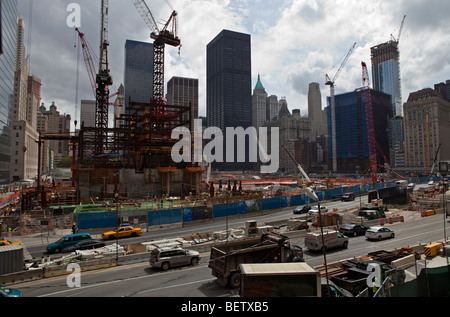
<point x="355" y="279"/>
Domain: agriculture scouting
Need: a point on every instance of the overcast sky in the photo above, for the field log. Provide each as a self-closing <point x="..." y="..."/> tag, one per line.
<point x="294" y="42"/>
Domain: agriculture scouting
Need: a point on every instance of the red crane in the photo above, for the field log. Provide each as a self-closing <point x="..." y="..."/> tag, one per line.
<point x="369" y="122"/>
<point x="90" y="60"/>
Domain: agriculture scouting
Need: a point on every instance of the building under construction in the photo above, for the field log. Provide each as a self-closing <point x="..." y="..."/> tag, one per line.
<point x="135" y="160"/>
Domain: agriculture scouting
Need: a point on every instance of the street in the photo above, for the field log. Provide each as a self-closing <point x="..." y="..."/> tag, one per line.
<point x="140" y="280"/>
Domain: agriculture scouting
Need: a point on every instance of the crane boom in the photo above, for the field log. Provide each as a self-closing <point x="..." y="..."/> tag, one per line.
<point x="300" y="168"/>
<point x="146" y="15"/>
<point x="400" y="31"/>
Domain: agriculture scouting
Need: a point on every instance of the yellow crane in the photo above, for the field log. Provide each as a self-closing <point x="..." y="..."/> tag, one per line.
<point x="167" y="35"/>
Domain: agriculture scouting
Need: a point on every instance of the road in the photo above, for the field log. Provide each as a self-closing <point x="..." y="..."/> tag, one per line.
<point x="139" y="280"/>
<point x="218" y="224"/>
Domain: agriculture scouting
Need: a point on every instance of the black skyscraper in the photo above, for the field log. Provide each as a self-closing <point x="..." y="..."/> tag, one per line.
<point x="229" y="86"/>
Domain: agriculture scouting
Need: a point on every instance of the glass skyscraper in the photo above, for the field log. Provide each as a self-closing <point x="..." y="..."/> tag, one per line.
<point x="386" y="73"/>
<point x="9" y="12"/>
<point x="229" y="86"/>
<point x="138" y="81"/>
<point x="352" y="150"/>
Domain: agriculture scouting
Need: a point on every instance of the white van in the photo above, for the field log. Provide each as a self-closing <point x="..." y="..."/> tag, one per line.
<point x="333" y="239"/>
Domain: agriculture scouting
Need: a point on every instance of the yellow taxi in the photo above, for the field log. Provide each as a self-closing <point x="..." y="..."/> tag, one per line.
<point x="6" y="242"/>
<point x="122" y="232"/>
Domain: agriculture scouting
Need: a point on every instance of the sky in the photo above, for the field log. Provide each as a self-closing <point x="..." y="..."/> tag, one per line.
<point x="294" y="43"/>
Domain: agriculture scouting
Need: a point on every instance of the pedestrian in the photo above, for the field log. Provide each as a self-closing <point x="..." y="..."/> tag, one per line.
<point x="74" y="228"/>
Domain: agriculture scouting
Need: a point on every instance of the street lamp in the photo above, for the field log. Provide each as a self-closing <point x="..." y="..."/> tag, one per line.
<point x="311" y="194"/>
<point x="116" y="198"/>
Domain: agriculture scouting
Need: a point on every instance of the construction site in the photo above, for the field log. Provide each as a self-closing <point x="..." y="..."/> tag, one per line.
<point x="126" y="160"/>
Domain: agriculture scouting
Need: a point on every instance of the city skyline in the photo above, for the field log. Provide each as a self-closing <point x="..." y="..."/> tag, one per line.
<point x="292" y="44"/>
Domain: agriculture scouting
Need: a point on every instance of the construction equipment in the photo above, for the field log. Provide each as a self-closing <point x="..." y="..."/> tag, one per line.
<point x="103" y="80"/>
<point x="331" y="83"/>
<point x="226" y="258"/>
<point x="369" y="123"/>
<point x="161" y="37"/>
<point x="300" y="168"/>
<point x="399" y="32"/>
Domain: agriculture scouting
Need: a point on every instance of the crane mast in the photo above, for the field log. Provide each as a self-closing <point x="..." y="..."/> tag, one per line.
<point x="103" y="80"/>
<point x="330" y="83"/>
<point x="369" y="122"/>
<point x="161" y="37"/>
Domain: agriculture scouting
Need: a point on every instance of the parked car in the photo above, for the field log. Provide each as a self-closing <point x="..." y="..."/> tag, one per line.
<point x="353" y="229"/>
<point x="315" y="210"/>
<point x="348" y="197"/>
<point x="167" y="257"/>
<point x="378" y="233"/>
<point x="7" y="242"/>
<point x="411" y="186"/>
<point x="67" y="241"/>
<point x="122" y="232"/>
<point x="301" y="209"/>
<point x="85" y="245"/>
<point x="9" y="292"/>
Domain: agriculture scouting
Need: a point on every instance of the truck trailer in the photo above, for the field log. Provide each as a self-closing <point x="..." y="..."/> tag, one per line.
<point x="279" y="280"/>
<point x="226" y="258"/>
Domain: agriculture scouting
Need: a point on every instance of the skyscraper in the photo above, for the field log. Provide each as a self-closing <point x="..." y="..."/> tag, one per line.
<point x="316" y="115"/>
<point x="259" y="105"/>
<point x="183" y="91"/>
<point x="351" y="129"/>
<point x="87" y="113"/>
<point x="138" y="79"/>
<point x="228" y="85"/>
<point x="386" y="72"/>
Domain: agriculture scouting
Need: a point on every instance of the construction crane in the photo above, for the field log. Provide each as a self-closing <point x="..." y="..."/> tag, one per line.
<point x="399" y="32"/>
<point x="90" y="59"/>
<point x="161" y="37"/>
<point x="369" y="123"/>
<point x="300" y="168"/>
<point x="331" y="83"/>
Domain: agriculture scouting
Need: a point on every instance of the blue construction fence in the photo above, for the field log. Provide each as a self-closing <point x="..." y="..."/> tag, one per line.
<point x="91" y="220"/>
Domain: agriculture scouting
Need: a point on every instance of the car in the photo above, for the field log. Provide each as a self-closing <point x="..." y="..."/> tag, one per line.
<point x="378" y="233"/>
<point x="167" y="257"/>
<point x="348" y="197"/>
<point x="9" y="292"/>
<point x="315" y="210"/>
<point x="85" y="245"/>
<point x="7" y="242"/>
<point x="67" y="241"/>
<point x="353" y="229"/>
<point x="122" y="232"/>
<point x="301" y="209"/>
<point x="411" y="186"/>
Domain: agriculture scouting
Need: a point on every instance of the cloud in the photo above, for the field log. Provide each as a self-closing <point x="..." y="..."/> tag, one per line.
<point x="293" y="42"/>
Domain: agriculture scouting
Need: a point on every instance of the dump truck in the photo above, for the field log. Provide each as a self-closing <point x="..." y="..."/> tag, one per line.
<point x="226" y="258"/>
<point x="279" y="280"/>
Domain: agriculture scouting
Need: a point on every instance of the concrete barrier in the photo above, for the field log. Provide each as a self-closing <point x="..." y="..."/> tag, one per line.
<point x="58" y="270"/>
<point x="20" y="277"/>
<point x="405" y="262"/>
